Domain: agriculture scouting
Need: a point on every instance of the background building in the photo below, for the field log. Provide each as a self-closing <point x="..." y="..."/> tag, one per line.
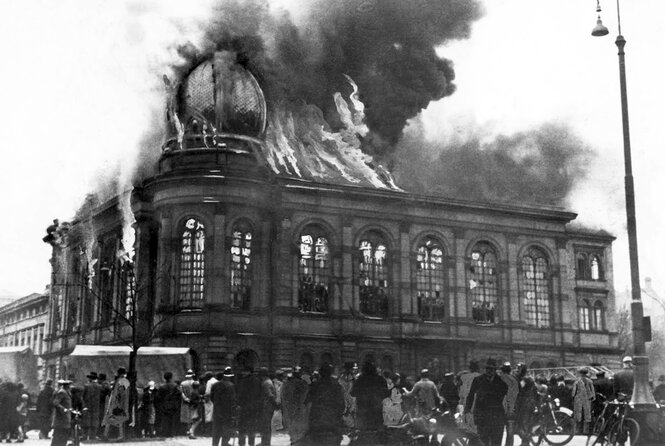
<point x="24" y="323"/>
<point x="225" y="250"/>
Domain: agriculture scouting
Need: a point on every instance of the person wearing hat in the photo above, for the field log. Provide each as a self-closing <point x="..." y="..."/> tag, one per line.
<point x="167" y="405"/>
<point x="561" y="391"/>
<point x="326" y="400"/>
<point x="268" y="406"/>
<point x="278" y="381"/>
<point x="187" y="410"/>
<point x="62" y="420"/>
<point x="92" y="393"/>
<point x="103" y="398"/>
<point x="148" y="410"/>
<point x="659" y="391"/>
<point x="250" y="400"/>
<point x="425" y="393"/>
<point x="583" y="395"/>
<point x="369" y="390"/>
<point x="602" y="386"/>
<point x="44" y="408"/>
<point x="449" y="391"/>
<point x="117" y="412"/>
<point x="466" y="378"/>
<point x="486" y="398"/>
<point x="295" y="415"/>
<point x="509" y="401"/>
<point x="623" y="379"/>
<point x="224" y="403"/>
<point x="346" y="380"/>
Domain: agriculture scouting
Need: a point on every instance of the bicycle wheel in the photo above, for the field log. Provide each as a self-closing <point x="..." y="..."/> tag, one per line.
<point x="625" y="433"/>
<point x="595" y="438"/>
<point x="560" y="430"/>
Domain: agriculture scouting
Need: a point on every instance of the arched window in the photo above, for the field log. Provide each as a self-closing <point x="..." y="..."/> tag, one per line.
<point x="483" y="284"/>
<point x="536" y="289"/>
<point x="307" y="362"/>
<point x="595" y="268"/>
<point x="582" y="270"/>
<point x="598" y="316"/>
<point x="373" y="275"/>
<point x="241" y="266"/>
<point x="313" y="271"/>
<point x="585" y="315"/>
<point x="429" y="280"/>
<point x="192" y="265"/>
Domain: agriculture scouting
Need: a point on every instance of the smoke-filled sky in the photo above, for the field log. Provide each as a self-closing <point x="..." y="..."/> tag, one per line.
<point x="518" y="101"/>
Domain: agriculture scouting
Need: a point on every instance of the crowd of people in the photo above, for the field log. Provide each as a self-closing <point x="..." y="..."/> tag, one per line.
<point x="312" y="407"/>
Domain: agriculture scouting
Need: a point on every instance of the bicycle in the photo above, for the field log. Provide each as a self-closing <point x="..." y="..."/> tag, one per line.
<point x="76" y="426"/>
<point x="555" y="424"/>
<point x="613" y="427"/>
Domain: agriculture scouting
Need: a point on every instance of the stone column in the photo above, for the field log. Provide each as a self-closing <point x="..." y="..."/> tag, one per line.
<point x="218" y="292"/>
<point x="405" y="304"/>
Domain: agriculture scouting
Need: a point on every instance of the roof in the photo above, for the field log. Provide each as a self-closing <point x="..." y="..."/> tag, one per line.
<point x="121" y="350"/>
<point x="19" y="349"/>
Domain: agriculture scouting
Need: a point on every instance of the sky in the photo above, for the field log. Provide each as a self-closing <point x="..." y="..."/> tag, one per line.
<point x="81" y="80"/>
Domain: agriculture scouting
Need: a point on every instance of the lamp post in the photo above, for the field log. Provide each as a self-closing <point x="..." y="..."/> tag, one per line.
<point x="642" y="397"/>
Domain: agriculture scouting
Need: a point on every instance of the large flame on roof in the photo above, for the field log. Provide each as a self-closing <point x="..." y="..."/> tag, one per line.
<point x="299" y="142"/>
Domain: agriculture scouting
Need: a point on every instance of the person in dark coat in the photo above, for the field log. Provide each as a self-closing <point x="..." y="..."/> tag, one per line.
<point x="369" y="390"/>
<point x="326" y="397"/>
<point x="527" y="400"/>
<point x="488" y="391"/>
<point x="561" y="391"/>
<point x="623" y="379"/>
<point x="12" y="398"/>
<point x="602" y="386"/>
<point x="268" y="407"/>
<point x="250" y="400"/>
<point x="449" y="391"/>
<point x="224" y="404"/>
<point x="148" y="411"/>
<point x="5" y="406"/>
<point x="62" y="421"/>
<point x="92" y="392"/>
<point x="45" y="409"/>
<point x="103" y="397"/>
<point x="168" y="406"/>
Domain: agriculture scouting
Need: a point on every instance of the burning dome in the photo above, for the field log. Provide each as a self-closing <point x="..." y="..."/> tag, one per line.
<point x="217" y="100"/>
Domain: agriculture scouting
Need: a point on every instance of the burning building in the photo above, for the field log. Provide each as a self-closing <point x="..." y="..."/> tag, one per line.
<point x="272" y="240"/>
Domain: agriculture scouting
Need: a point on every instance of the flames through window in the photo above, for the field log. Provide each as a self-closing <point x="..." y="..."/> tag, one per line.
<point x="313" y="272"/>
<point x="192" y="265"/>
<point x="241" y="266"/>
<point x="373" y="276"/>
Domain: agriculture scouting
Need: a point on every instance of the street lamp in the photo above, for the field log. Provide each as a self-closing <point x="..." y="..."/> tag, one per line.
<point x="642" y="397"/>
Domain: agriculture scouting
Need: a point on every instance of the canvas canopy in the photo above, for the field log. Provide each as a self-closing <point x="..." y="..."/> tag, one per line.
<point x="151" y="362"/>
<point x="19" y="364"/>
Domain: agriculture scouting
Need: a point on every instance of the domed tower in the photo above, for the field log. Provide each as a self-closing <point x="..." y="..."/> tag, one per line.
<point x="218" y="109"/>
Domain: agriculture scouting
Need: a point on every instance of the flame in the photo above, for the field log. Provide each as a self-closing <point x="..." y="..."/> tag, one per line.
<point x="126" y="253"/>
<point x="301" y="143"/>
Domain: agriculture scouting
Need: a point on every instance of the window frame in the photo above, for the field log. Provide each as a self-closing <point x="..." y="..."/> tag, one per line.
<point x="240" y="294"/>
<point x="373" y="298"/>
<point x="428" y="276"/>
<point x="193" y="298"/>
<point x="489" y="295"/>
<point x="542" y="315"/>
<point x="320" y="288"/>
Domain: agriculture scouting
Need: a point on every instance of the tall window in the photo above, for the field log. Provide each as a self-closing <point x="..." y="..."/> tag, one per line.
<point x="313" y="271"/>
<point x="107" y="277"/>
<point x="373" y="275"/>
<point x="429" y="280"/>
<point x="582" y="266"/>
<point x="535" y="286"/>
<point x="241" y="266"/>
<point x="585" y="316"/>
<point x="595" y="268"/>
<point x="483" y="284"/>
<point x="598" y="316"/>
<point x="192" y="265"/>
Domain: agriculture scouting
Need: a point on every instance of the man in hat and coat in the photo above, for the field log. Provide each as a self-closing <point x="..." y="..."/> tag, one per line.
<point x="488" y="391"/>
<point x="583" y="395"/>
<point x="250" y="400"/>
<point x="326" y="399"/>
<point x="425" y="393"/>
<point x="268" y="407"/>
<point x="295" y="415"/>
<point x="62" y="419"/>
<point x="187" y="410"/>
<point x="167" y="403"/>
<point x="224" y="404"/>
<point x="45" y="408"/>
<point x="346" y="379"/>
<point x="623" y="379"/>
<point x="92" y="393"/>
<point x="509" y="401"/>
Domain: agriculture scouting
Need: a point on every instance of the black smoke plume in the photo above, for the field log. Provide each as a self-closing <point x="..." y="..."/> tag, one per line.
<point x="540" y="166"/>
<point x="386" y="46"/>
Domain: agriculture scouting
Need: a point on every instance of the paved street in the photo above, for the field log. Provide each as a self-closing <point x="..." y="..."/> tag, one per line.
<point x="277" y="440"/>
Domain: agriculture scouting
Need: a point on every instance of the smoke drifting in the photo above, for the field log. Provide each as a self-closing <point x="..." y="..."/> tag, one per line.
<point x="539" y="166"/>
<point x="386" y="46"/>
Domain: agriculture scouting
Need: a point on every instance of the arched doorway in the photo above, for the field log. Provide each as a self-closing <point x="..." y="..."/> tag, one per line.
<point x="246" y="360"/>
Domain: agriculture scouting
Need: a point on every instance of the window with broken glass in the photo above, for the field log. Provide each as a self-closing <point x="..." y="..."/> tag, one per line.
<point x="191" y="274"/>
<point x="241" y="266"/>
<point x="484" y="284"/>
<point x="429" y="280"/>
<point x="107" y="280"/>
<point x="373" y="276"/>
<point x="536" y="288"/>
<point x="127" y="288"/>
<point x="313" y="272"/>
